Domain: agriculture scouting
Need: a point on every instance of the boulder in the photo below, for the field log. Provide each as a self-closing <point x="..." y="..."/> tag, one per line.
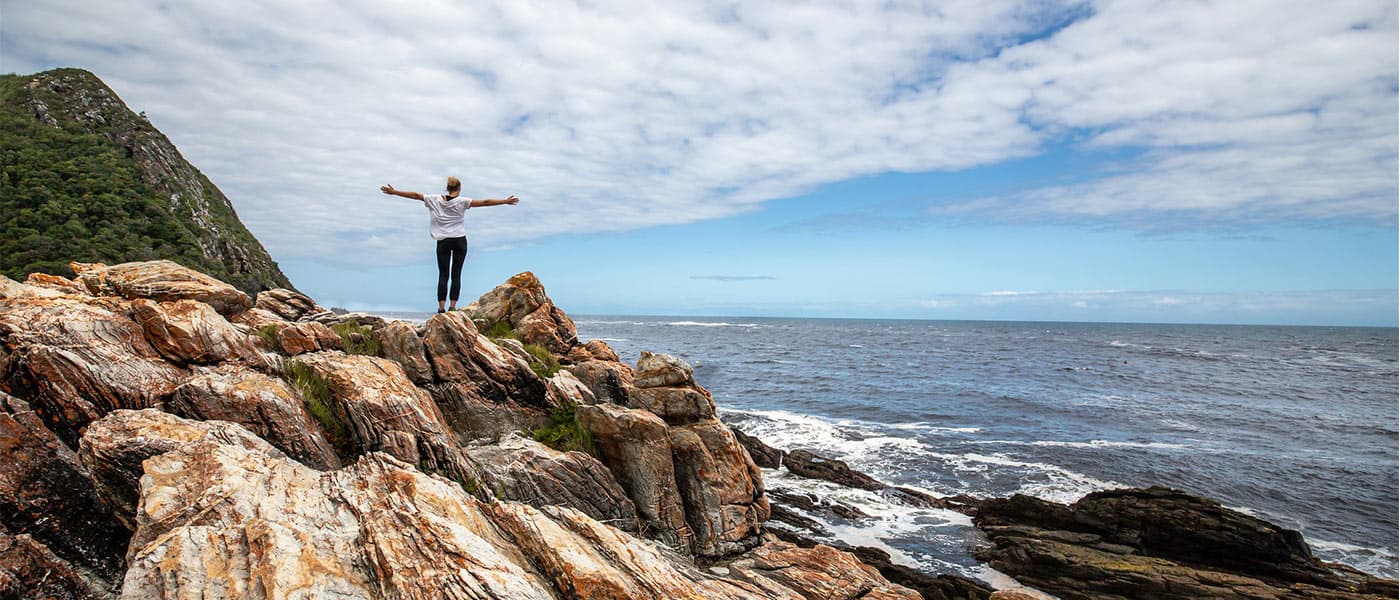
<point x="256" y="318"/>
<point x="114" y="448"/>
<point x="484" y="390"/>
<point x="266" y="405"/>
<point x="47" y="493"/>
<point x="161" y="280"/>
<point x="12" y="290"/>
<point x="186" y="331"/>
<point x="720" y="488"/>
<point x="763" y="455"/>
<point x="301" y="338"/>
<point x="400" y="342"/>
<point x="75" y="361"/>
<point x="523" y="470"/>
<point x="56" y="282"/>
<point x="609" y="381"/>
<point x="286" y="304"/>
<point x="331" y="318"/>
<point x="564" y="389"/>
<point x="28" y="569"/>
<point x="656" y="370"/>
<point x="522" y="302"/>
<point x="593" y="350"/>
<point x="382" y="410"/>
<point x="677" y="405"/>
<point x="814" y="466"/>
<point x="817" y="572"/>
<point x="636" y="446"/>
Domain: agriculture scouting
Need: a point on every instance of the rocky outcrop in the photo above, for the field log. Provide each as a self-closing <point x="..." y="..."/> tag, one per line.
<point x="76" y="359"/>
<point x="400" y="342"/>
<point x="610" y="381"/>
<point x="161" y="280"/>
<point x="301" y="338"/>
<point x="807" y="464"/>
<point x="28" y="569"/>
<point x="523" y="470"/>
<point x="636" y="447"/>
<point x="56" y="283"/>
<point x="522" y="302"/>
<point x="817" y="572"/>
<point x="287" y="304"/>
<point x="1158" y="543"/>
<point x="666" y="386"/>
<point x="721" y="489"/>
<point x="264" y="404"/>
<point x="763" y="455"/>
<point x="190" y="332"/>
<point x="484" y="390"/>
<point x="47" y="494"/>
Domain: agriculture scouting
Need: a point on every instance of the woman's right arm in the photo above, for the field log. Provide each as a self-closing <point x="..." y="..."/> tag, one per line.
<point x="389" y="189"/>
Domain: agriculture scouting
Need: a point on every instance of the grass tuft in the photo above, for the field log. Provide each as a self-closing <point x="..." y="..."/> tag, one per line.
<point x="317" y="394"/>
<point x="357" y="338"/>
<point x="501" y="330"/>
<point x="268" y="335"/>
<point x="544" y="364"/>
<point x="565" y="433"/>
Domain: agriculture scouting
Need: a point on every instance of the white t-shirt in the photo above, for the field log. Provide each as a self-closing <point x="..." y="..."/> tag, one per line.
<point x="446" y="217"/>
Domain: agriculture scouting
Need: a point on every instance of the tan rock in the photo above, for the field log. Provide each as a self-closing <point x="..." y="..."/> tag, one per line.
<point x="75" y="361"/>
<point x="720" y="488"/>
<point x="114" y="447"/>
<point x="522" y="302"/>
<point x="636" y="447"/>
<point x="57" y="283"/>
<point x="161" y="280"/>
<point x="817" y="572"/>
<point x="1014" y="595"/>
<point x="564" y="389"/>
<point x="677" y="405"/>
<point x="300" y="338"/>
<point x="287" y="304"/>
<point x="655" y="370"/>
<point x="593" y="350"/>
<point x="400" y="342"/>
<point x="186" y="331"/>
<point x="523" y="470"/>
<point x="255" y="318"/>
<point x="11" y="289"/>
<point x="609" y="381"/>
<point x="264" y="404"/>
<point x="484" y="390"/>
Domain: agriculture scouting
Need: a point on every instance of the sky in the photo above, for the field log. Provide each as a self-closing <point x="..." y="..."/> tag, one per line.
<point x="1182" y="161"/>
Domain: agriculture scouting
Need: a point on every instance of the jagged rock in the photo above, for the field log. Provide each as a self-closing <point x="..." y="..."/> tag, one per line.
<point x="484" y="390"/>
<point x="114" y="447"/>
<point x="29" y="570"/>
<point x="161" y="280"/>
<point x="1158" y="543"/>
<point x="331" y="318"/>
<point x="383" y="411"/>
<point x="400" y="342"/>
<point x="677" y="405"/>
<point x="720" y="488"/>
<point x="636" y="447"/>
<point x="807" y="464"/>
<point x="930" y="587"/>
<point x="656" y="370"/>
<point x="186" y="331"/>
<point x="255" y="318"/>
<point x="817" y="572"/>
<point x="593" y="350"/>
<point x="609" y="381"/>
<point x="524" y="470"/>
<point x="301" y="338"/>
<point x="564" y="390"/>
<point x="763" y="455"/>
<point x="74" y="361"/>
<point x="46" y="492"/>
<point x="287" y="304"/>
<point x="266" y="405"/>
<point x="13" y="290"/>
<point x="56" y="282"/>
<point x="522" y="302"/>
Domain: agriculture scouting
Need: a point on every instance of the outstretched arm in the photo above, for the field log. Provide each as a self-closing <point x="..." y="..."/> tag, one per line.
<point x="495" y="202"/>
<point x="389" y="189"/>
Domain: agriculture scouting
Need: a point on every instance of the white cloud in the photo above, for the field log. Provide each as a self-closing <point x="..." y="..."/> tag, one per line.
<point x="621" y="116"/>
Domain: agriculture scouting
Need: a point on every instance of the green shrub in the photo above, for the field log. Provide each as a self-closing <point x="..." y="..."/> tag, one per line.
<point x="317" y="394"/>
<point x="544" y="364"/>
<point x="268" y="335"/>
<point x="565" y="433"/>
<point x="357" y="338"/>
<point x="501" y="330"/>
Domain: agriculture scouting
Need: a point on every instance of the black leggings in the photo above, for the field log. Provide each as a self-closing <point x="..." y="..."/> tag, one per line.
<point x="454" y="251"/>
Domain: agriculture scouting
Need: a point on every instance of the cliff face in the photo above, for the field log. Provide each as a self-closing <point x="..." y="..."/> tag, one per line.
<point x="86" y="178"/>
<point x="165" y="435"/>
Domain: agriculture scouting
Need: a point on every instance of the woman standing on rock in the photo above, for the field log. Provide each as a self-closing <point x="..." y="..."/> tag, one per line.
<point x="446" y="216"/>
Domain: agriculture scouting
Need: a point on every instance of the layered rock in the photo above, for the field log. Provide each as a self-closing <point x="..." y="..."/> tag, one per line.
<point x="636" y="447"/>
<point x="187" y="331"/>
<point x="522" y="302"/>
<point x="287" y="304"/>
<point x="301" y="338"/>
<point x="762" y="454"/>
<point x="523" y="470"/>
<point x="609" y="381"/>
<point x="266" y="405"/>
<point x="161" y="280"/>
<point x="56" y="282"/>
<point x="28" y="569"/>
<point x="484" y="390"/>
<point x="817" y="572"/>
<point x="814" y="466"/>
<point x="1157" y="543"/>
<point x="47" y="493"/>
<point x="400" y="342"/>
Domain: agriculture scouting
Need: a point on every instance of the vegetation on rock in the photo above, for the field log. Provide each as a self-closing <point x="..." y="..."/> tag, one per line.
<point x="358" y="339"/>
<point x="317" y="394"/>
<point x="565" y="433"/>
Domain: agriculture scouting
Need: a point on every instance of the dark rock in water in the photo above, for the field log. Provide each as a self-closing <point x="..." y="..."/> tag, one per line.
<point x="807" y="464"/>
<point x="763" y="455"/>
<point x="931" y="587"/>
<point x="1157" y="543"/>
<point x="45" y="492"/>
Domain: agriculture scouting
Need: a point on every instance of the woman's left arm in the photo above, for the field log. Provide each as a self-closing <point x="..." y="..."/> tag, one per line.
<point x="495" y="202"/>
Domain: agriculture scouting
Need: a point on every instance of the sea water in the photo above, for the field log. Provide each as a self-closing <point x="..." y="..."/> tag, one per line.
<point x="1296" y="425"/>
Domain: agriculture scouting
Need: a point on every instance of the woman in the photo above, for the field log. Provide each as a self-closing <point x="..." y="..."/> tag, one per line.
<point x="445" y="223"/>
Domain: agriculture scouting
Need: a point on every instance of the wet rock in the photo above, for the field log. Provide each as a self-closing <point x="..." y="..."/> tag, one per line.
<point x="763" y="455"/>
<point x="266" y="405"/>
<point x="161" y="280"/>
<point x="930" y="587"/>
<point x="114" y="448"/>
<point x="720" y="488"/>
<point x="286" y="304"/>
<point x="186" y="331"/>
<point x="484" y="389"/>
<point x="400" y="342"/>
<point x="522" y="302"/>
<point x="47" y="493"/>
<point x="75" y="361"/>
<point x="524" y="470"/>
<point x="636" y="447"/>
<point x="807" y="464"/>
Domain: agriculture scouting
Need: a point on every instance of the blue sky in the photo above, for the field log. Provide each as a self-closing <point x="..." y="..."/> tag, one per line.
<point x="1213" y="162"/>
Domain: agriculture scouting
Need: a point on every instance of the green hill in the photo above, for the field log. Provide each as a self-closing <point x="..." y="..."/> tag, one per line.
<point x="84" y="178"/>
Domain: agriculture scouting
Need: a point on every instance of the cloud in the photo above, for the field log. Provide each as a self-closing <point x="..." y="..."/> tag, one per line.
<point x="734" y="277"/>
<point x="618" y="116"/>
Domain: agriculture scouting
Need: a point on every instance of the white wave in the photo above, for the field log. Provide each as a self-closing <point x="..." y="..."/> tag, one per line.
<point x="608" y="339"/>
<point x="854" y="346"/>
<point x="925" y="426"/>
<point x="1088" y="444"/>
<point x="709" y="324"/>
<point x="1377" y="561"/>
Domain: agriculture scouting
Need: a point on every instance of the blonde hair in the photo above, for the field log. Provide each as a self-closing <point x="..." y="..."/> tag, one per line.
<point x="453" y="184"/>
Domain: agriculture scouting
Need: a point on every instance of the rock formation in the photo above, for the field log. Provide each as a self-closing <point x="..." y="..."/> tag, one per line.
<point x="521" y="302"/>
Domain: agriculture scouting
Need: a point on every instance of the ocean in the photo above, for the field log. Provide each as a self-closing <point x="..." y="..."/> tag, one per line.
<point x="1296" y="425"/>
